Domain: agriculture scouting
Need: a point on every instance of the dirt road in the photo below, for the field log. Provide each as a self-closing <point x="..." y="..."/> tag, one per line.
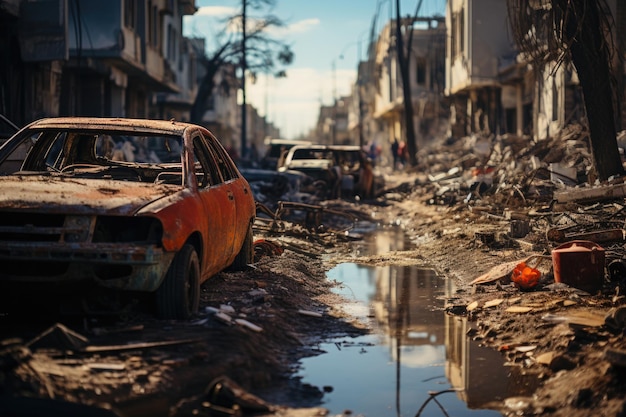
<point x="239" y="355"/>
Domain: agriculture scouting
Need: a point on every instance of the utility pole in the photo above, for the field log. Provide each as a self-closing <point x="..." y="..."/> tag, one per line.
<point x="244" y="65"/>
<point x="334" y="126"/>
<point x="359" y="86"/>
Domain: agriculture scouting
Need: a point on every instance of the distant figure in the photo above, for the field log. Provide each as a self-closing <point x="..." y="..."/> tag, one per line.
<point x="394" y="152"/>
<point x="374" y="153"/>
<point x="335" y="181"/>
<point x="364" y="186"/>
<point x="402" y="153"/>
<point x="283" y="155"/>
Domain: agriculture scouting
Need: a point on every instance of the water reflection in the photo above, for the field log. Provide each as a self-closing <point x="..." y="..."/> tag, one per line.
<point x="392" y="371"/>
<point x="414" y="349"/>
<point x="478" y="372"/>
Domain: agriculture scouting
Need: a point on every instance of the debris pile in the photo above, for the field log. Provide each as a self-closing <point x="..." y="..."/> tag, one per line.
<point x="551" y="296"/>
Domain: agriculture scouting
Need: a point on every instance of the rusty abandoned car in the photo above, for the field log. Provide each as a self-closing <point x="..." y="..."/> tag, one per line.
<point x="141" y="206"/>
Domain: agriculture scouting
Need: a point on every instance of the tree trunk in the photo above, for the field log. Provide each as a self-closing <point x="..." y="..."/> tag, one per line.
<point x="403" y="63"/>
<point x="205" y="89"/>
<point x="592" y="64"/>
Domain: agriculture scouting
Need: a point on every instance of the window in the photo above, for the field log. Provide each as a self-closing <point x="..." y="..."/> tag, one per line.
<point x="204" y="166"/>
<point x="224" y="163"/>
<point x="420" y="72"/>
<point x="153" y="26"/>
<point x="555" y="100"/>
<point x="130" y="14"/>
<point x="458" y="36"/>
<point x="172" y="43"/>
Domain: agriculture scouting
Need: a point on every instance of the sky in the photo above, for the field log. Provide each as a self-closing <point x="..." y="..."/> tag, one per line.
<point x="327" y="38"/>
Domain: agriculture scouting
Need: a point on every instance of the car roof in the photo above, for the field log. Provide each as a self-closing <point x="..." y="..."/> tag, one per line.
<point x="326" y="148"/>
<point x="294" y="142"/>
<point x="105" y="123"/>
<point x="344" y="147"/>
<point x="313" y="147"/>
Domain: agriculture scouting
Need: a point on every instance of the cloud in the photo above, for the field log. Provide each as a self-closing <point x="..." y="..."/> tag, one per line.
<point x="215" y="11"/>
<point x="301" y="26"/>
<point x="294" y="102"/>
<point x="421" y="356"/>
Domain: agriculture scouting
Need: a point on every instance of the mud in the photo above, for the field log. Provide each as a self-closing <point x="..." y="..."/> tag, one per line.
<point x="134" y="365"/>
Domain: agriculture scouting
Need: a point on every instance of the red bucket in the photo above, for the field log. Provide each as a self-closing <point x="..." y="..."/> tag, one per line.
<point x="579" y="264"/>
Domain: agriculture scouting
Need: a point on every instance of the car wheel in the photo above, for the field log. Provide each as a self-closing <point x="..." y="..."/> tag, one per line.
<point x="246" y="253"/>
<point x="178" y="296"/>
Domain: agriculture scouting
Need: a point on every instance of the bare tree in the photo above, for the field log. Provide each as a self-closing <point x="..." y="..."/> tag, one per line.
<point x="251" y="51"/>
<point x="579" y="31"/>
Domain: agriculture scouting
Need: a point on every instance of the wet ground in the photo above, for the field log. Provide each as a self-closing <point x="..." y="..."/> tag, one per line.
<point x="392" y="371"/>
<point x="394" y="310"/>
<point x="417" y="357"/>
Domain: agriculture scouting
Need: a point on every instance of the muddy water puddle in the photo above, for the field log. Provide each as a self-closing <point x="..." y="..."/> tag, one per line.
<point x="417" y="361"/>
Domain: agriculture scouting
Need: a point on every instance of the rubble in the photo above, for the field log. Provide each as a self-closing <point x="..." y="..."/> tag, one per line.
<point x="539" y="197"/>
<point x="473" y="215"/>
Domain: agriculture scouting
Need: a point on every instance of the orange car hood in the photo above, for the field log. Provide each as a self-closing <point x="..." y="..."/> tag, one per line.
<point x="79" y="196"/>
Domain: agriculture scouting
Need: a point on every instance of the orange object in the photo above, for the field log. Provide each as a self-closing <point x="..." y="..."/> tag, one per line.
<point x="525" y="277"/>
<point x="579" y="264"/>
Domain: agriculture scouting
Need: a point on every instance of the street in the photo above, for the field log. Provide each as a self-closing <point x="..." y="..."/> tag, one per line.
<point x="255" y="326"/>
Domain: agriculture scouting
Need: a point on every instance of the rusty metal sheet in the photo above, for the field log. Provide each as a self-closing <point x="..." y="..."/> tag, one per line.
<point x="71" y="195"/>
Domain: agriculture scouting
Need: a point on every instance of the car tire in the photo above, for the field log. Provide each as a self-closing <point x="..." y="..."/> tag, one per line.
<point x="246" y="253"/>
<point x="178" y="297"/>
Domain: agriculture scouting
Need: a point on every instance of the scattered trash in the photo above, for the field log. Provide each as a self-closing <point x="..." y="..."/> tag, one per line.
<point x="472" y="306"/>
<point x="227" y="309"/>
<point x="545" y="358"/>
<point x="616" y="357"/>
<point x="601" y="236"/>
<point x="309" y="313"/>
<point x="223" y="397"/>
<point x="223" y="317"/>
<point x="502" y="271"/>
<point x="493" y="303"/>
<point x="580" y="318"/>
<point x="247" y="324"/>
<point x="579" y="263"/>
<point x="519" y="309"/>
<point x="263" y="247"/>
<point x="616" y="319"/>
<point x="59" y="337"/>
<point x="524" y="277"/>
<point x="106" y="366"/>
<point x="519" y="228"/>
<point x="525" y="349"/>
<point x="617" y="270"/>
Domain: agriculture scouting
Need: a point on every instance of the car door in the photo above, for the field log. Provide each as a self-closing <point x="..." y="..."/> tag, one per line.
<point x="244" y="208"/>
<point x="219" y="204"/>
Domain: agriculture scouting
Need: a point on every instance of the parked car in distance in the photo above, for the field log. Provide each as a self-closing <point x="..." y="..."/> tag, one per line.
<point x="344" y="169"/>
<point x="128" y="204"/>
<point x="276" y="151"/>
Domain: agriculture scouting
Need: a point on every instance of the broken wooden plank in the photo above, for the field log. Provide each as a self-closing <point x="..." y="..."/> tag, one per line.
<point x="309" y="313"/>
<point x="503" y="270"/>
<point x="141" y="345"/>
<point x="247" y="324"/>
<point x="519" y="309"/>
<point x="601" y="193"/>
